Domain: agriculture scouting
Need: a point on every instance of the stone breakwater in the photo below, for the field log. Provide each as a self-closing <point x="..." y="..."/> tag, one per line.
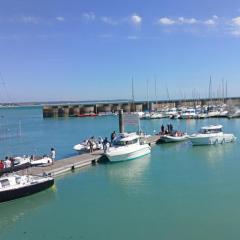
<point x="75" y="110"/>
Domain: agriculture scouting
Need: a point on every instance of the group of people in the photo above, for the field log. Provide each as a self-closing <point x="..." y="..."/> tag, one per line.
<point x="7" y="163"/>
<point x="105" y="143"/>
<point x="167" y="130"/>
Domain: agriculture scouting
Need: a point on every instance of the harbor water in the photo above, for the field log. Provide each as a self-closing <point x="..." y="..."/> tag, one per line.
<point x="178" y="192"/>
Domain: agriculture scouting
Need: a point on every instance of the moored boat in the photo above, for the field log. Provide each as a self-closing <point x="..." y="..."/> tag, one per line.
<point x="210" y="135"/>
<point x="35" y="160"/>
<point x="16" y="186"/>
<point x="87" y="115"/>
<point x="171" y="138"/>
<point x="190" y="113"/>
<point x="127" y="146"/>
<point x="85" y="146"/>
<point x="14" y="165"/>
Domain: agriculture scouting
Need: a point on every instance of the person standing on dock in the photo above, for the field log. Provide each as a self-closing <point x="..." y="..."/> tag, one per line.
<point x="105" y="144"/>
<point x="1" y="165"/>
<point x="168" y="128"/>
<point x="90" y="143"/>
<point x="53" y="155"/>
<point x="113" y="135"/>
<point x="162" y="129"/>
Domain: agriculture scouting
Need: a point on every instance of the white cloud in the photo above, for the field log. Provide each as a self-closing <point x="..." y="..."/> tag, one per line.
<point x="166" y="21"/>
<point x="235" y="33"/>
<point x="89" y="16"/>
<point x="210" y="22"/>
<point x="215" y="17"/>
<point x="109" y="21"/>
<point x="136" y="20"/>
<point x="133" y="37"/>
<point x="60" y="19"/>
<point x="236" y="21"/>
<point x="187" y="20"/>
<point x="30" y="19"/>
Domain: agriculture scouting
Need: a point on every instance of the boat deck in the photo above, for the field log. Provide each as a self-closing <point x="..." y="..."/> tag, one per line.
<point x="69" y="164"/>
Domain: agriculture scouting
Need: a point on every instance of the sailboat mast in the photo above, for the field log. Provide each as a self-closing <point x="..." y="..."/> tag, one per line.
<point x="210" y="90"/>
<point x="156" y="90"/>
<point x="147" y="96"/>
<point x="223" y="90"/>
<point x="133" y="97"/>
<point x="226" y="89"/>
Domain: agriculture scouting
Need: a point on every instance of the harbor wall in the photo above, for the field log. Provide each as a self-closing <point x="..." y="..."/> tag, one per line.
<point x="71" y="110"/>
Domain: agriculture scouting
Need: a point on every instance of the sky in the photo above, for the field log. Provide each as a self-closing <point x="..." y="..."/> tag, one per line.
<point x="52" y="50"/>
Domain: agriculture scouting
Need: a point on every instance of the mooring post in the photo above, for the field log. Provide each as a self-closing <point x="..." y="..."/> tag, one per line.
<point x="121" y="121"/>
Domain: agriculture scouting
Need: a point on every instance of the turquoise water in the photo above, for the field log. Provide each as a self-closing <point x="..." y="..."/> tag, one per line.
<point x="178" y="192"/>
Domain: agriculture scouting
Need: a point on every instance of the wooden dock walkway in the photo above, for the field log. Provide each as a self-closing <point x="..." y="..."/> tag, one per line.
<point x="69" y="164"/>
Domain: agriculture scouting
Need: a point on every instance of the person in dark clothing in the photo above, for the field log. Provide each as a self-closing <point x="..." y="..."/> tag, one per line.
<point x="113" y="135"/>
<point x="105" y="144"/>
<point x="162" y="129"/>
<point x="170" y="128"/>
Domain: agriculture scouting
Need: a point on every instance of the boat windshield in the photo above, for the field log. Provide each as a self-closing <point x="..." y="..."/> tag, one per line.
<point x="124" y="143"/>
<point x="206" y="131"/>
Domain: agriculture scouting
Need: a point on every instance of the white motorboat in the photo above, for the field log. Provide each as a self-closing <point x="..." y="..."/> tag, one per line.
<point x="145" y="116"/>
<point x="172" y="113"/>
<point x="35" y="160"/>
<point x="236" y="114"/>
<point x="188" y="114"/>
<point x="223" y="113"/>
<point x="171" y="138"/>
<point x="127" y="146"/>
<point x="40" y="160"/>
<point x="213" y="113"/>
<point x="16" y="186"/>
<point x="210" y="135"/>
<point x="156" y="115"/>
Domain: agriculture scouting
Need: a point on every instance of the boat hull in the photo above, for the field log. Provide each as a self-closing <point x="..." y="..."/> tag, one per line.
<point x="12" y="194"/>
<point x="129" y="155"/>
<point x="212" y="140"/>
<point x="171" y="139"/>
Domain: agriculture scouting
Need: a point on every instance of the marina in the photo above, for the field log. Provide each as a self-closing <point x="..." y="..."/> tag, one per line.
<point x="119" y="120"/>
<point x="168" y="165"/>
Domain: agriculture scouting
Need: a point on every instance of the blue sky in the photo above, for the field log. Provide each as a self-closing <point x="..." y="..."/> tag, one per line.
<point x="89" y="50"/>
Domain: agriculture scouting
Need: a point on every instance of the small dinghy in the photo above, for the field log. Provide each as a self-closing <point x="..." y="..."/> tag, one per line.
<point x="175" y="137"/>
<point x="41" y="160"/>
<point x="16" y="186"/>
<point x="35" y="160"/>
<point x="85" y="146"/>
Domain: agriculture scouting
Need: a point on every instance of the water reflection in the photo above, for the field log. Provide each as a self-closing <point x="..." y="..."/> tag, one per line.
<point x="13" y="211"/>
<point x="215" y="155"/>
<point x="129" y="172"/>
